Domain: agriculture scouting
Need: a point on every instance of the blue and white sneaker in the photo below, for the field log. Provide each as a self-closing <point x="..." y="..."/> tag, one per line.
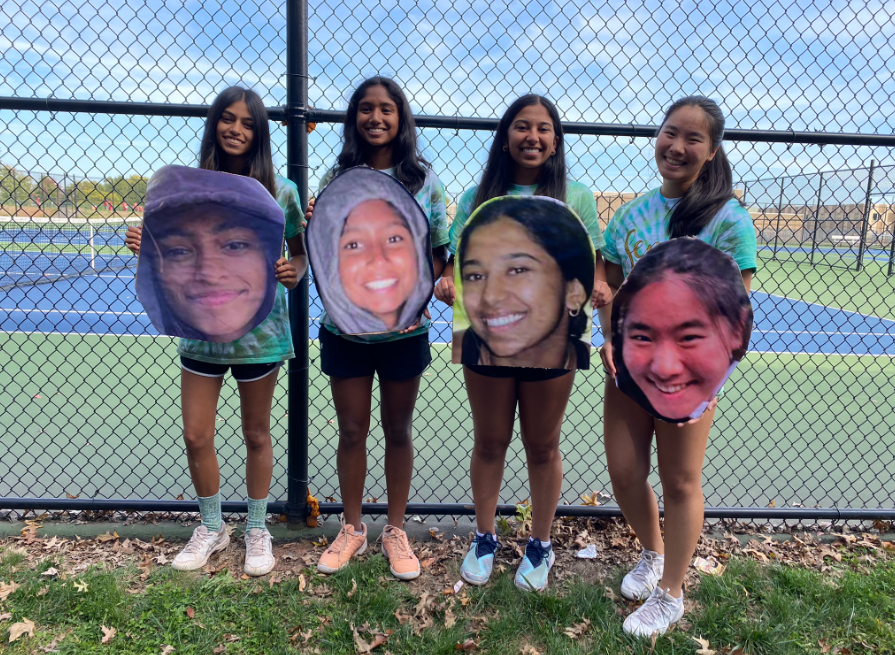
<point x="535" y="567"/>
<point x="479" y="561"/>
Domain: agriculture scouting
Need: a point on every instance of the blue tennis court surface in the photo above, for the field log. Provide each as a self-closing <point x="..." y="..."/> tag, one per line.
<point x="107" y="304"/>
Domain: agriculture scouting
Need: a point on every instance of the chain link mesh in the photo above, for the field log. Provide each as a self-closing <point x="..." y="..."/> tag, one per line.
<point x="90" y="399"/>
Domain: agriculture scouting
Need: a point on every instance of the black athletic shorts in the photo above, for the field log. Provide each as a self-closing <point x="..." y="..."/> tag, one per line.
<point x="401" y="359"/>
<point x="240" y="372"/>
<point x="519" y="373"/>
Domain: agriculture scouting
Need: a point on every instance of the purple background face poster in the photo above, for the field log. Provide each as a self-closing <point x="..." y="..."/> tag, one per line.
<point x="209" y="248"/>
<point x="368" y="242"/>
<point x="681" y="323"/>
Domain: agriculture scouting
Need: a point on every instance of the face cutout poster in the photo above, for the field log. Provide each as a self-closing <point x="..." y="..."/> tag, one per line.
<point x="368" y="242"/>
<point x="524" y="274"/>
<point x="208" y="253"/>
<point x="681" y="323"/>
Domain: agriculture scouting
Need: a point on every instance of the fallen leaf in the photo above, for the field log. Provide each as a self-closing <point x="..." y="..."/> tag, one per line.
<point x="575" y="631"/>
<point x="166" y="650"/>
<point x="190" y="612"/>
<point x="359" y="642"/>
<point x="757" y="553"/>
<point x="51" y="571"/>
<point x="469" y="644"/>
<point x="302" y="582"/>
<point x="51" y="647"/>
<point x="108" y="634"/>
<point x="16" y="630"/>
<point x="43" y="591"/>
<point x="322" y="542"/>
<point x="161" y="560"/>
<point x="6" y="589"/>
<point x="449" y="618"/>
<point x="6" y="616"/>
<point x="703" y="646"/>
<point x="103" y="538"/>
<point x="353" y="588"/>
<point x="80" y="585"/>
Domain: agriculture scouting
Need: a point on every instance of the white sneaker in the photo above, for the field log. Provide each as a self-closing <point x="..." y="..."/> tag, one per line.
<point x="643" y="578"/>
<point x="203" y="544"/>
<point x="259" y="552"/>
<point x="656" y="615"/>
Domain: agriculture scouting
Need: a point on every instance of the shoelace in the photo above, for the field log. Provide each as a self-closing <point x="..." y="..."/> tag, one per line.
<point x="343" y="536"/>
<point x="485" y="545"/>
<point x="536" y="553"/>
<point x="657" y="608"/>
<point x="401" y="545"/>
<point x="255" y="544"/>
<point x="644" y="569"/>
<point x="196" y="542"/>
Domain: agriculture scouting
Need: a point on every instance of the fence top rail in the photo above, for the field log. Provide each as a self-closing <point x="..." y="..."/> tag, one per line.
<point x="837" y="171"/>
<point x="280" y="113"/>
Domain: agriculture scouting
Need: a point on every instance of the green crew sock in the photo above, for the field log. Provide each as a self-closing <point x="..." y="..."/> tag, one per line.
<point x="210" y="509"/>
<point x="257" y="512"/>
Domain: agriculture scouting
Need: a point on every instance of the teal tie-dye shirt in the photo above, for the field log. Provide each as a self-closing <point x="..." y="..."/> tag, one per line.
<point x="642" y="223"/>
<point x="272" y="340"/>
<point x="578" y="197"/>
<point x="431" y="198"/>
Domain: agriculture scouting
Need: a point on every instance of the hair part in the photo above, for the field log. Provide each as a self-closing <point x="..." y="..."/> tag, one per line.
<point x="498" y="174"/>
<point x="566" y="241"/>
<point x="713" y="188"/>
<point x="410" y="166"/>
<point x="259" y="161"/>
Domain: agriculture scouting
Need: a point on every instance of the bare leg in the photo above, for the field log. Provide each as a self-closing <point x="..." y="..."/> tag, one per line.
<point x="541" y="409"/>
<point x="493" y="405"/>
<point x="628" y="437"/>
<point x="198" y="403"/>
<point x="352" y="398"/>
<point x="255" y="399"/>
<point x="398" y="398"/>
<point x="681" y="454"/>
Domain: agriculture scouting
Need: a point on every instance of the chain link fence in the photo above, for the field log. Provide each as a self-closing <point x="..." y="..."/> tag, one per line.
<point x="90" y="394"/>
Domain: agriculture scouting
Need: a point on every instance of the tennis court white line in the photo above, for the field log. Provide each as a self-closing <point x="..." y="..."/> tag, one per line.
<point x="808" y="302"/>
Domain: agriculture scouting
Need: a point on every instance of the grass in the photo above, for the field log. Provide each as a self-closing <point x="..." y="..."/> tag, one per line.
<point x="762" y="609"/>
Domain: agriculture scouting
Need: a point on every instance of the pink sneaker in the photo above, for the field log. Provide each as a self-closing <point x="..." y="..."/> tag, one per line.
<point x="346" y="545"/>
<point x="403" y="564"/>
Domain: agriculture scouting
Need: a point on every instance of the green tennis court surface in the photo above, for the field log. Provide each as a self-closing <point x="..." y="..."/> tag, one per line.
<point x="791" y="428"/>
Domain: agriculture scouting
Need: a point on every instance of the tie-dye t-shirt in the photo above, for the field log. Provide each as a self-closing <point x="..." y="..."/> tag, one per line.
<point x="272" y="340"/>
<point x="431" y="198"/>
<point x="642" y="223"/>
<point x="578" y="197"/>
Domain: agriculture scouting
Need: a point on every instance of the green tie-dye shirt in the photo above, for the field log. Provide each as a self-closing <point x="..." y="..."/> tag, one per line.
<point x="272" y="340"/>
<point x="642" y="223"/>
<point x="578" y="197"/>
<point x="431" y="198"/>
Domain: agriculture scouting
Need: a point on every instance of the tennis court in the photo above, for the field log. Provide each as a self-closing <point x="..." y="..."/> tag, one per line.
<point x="91" y="398"/>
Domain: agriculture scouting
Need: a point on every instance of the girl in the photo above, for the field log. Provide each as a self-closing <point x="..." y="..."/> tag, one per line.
<point x="696" y="199"/>
<point x="237" y="140"/>
<point x="526" y="158"/>
<point x="380" y="133"/>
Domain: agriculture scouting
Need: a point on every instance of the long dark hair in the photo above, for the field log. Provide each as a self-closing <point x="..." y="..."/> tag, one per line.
<point x="714" y="186"/>
<point x="562" y="235"/>
<point x="710" y="274"/>
<point x="498" y="174"/>
<point x="259" y="162"/>
<point x="410" y="166"/>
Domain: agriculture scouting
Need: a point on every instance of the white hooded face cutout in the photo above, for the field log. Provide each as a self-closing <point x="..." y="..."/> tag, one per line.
<point x="368" y="242"/>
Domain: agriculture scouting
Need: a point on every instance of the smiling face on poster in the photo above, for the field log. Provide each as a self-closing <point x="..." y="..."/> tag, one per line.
<point x="368" y="242"/>
<point x="210" y="243"/>
<point x="681" y="323"/>
<point x="524" y="275"/>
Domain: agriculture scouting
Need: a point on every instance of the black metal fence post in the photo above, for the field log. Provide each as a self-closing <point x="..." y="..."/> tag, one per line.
<point x="297" y="166"/>
<point x="779" y="215"/>
<point x="820" y="189"/>
<point x="861" y="245"/>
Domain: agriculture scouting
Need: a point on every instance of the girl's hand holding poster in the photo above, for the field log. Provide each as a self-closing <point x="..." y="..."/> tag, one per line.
<point x="368" y="243"/>
<point x="211" y="241"/>
<point x="524" y="274"/>
<point x="681" y="323"/>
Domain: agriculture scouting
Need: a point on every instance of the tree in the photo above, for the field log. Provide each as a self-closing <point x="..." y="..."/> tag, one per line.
<point x="15" y="187"/>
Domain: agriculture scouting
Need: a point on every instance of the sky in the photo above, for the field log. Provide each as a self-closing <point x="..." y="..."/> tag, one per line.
<point x="800" y="65"/>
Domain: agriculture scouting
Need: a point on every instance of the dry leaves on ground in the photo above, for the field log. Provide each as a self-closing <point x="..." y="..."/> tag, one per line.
<point x="17" y="630"/>
<point x="703" y="646"/>
<point x="108" y="634"/>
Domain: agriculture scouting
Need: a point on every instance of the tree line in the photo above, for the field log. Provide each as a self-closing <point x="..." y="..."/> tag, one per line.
<point x="21" y="188"/>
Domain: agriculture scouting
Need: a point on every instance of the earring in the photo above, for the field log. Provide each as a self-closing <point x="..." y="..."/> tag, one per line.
<point x="505" y="147"/>
<point x="553" y="153"/>
<point x="574" y="312"/>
